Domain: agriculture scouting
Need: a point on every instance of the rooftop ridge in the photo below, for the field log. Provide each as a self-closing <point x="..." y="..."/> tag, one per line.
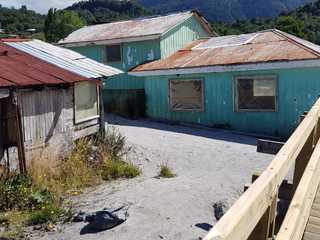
<point x="294" y="41"/>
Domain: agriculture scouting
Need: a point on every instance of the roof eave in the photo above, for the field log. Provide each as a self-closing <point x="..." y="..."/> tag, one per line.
<point x="110" y="41"/>
<point x="231" y="68"/>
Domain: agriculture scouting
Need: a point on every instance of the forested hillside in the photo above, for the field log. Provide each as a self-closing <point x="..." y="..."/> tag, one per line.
<point x="303" y="22"/>
<point x="17" y="21"/>
<point x="103" y="11"/>
<point x="227" y="10"/>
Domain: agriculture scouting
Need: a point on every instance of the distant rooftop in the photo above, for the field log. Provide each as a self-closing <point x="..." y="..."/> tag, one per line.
<point x="132" y="30"/>
<point x="270" y="46"/>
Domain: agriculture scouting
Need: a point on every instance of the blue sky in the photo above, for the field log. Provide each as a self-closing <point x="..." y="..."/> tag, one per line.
<point x="41" y="6"/>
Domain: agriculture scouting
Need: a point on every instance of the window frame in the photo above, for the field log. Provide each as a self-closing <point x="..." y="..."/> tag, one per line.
<point x="254" y="77"/>
<point x="106" y="54"/>
<point x="88" y="119"/>
<point x="201" y="80"/>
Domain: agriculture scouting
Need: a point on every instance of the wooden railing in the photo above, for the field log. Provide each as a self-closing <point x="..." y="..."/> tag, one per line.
<point x="253" y="215"/>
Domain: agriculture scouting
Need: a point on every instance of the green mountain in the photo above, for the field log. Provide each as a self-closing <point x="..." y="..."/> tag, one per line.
<point x="103" y="11"/>
<point x="227" y="10"/>
<point x="303" y="22"/>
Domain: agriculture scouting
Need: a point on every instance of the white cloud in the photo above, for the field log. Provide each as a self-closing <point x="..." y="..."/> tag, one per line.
<point x="41" y="6"/>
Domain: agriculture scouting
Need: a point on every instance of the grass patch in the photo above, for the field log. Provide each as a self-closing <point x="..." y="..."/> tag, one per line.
<point x="115" y="169"/>
<point x="166" y="172"/>
<point x="47" y="214"/>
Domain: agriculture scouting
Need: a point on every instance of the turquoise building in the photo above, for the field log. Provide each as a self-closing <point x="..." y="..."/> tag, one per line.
<point x="257" y="83"/>
<point x="127" y="44"/>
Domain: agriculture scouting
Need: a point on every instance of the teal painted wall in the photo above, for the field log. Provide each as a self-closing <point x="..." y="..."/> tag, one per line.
<point x="133" y="54"/>
<point x="298" y="89"/>
<point x="136" y="53"/>
<point x="181" y="35"/>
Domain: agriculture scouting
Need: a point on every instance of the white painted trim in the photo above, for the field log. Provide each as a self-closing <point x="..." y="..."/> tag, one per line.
<point x="111" y="41"/>
<point x="231" y="68"/>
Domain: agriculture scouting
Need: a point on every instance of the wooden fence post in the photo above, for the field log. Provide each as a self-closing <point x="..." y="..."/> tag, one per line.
<point x="266" y="227"/>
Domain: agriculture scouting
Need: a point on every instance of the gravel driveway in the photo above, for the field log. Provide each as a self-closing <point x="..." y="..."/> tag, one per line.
<point x="211" y="166"/>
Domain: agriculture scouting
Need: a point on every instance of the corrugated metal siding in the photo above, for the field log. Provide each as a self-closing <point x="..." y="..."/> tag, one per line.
<point x="137" y="53"/>
<point x="133" y="54"/>
<point x="124" y="81"/>
<point x="93" y="52"/>
<point x="182" y="35"/>
<point x="298" y="89"/>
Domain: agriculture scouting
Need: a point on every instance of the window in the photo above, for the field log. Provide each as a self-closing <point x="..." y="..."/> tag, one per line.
<point x="113" y="53"/>
<point x="186" y="95"/>
<point x="256" y="93"/>
<point x="86" y="104"/>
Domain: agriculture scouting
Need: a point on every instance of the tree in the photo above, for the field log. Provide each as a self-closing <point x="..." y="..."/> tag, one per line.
<point x="60" y="24"/>
<point x="51" y="25"/>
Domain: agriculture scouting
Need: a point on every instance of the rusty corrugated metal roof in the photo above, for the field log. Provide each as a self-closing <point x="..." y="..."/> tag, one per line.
<point x="149" y="26"/>
<point x="20" y="70"/>
<point x="261" y="47"/>
<point x="64" y="58"/>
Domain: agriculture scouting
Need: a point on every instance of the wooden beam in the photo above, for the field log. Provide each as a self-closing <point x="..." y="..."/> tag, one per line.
<point x="302" y="161"/>
<point x="298" y="214"/>
<point x="244" y="215"/>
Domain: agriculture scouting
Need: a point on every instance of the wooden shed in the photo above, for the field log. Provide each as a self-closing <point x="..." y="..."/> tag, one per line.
<point x="49" y="97"/>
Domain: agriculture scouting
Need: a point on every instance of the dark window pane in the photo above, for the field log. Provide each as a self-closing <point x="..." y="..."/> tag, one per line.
<point x="113" y="53"/>
<point x="256" y="94"/>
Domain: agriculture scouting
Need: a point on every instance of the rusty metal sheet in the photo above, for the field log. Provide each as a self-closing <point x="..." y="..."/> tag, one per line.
<point x="5" y="83"/>
<point x="267" y="46"/>
<point x="127" y="29"/>
<point x="20" y="69"/>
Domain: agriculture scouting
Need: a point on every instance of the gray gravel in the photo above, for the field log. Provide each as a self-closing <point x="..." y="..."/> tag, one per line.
<point x="211" y="166"/>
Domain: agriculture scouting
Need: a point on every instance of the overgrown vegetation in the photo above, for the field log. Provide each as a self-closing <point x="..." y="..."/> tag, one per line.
<point x="40" y="197"/>
<point x="166" y="172"/>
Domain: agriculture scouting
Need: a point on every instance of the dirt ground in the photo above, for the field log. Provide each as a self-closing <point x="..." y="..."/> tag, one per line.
<point x="211" y="166"/>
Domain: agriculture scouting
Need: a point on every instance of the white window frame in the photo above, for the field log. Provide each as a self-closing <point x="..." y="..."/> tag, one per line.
<point x="79" y="121"/>
<point x="106" y="55"/>
<point x="255" y="77"/>
<point x="202" y="109"/>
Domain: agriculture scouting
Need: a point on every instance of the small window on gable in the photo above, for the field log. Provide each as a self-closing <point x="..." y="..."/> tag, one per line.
<point x="113" y="53"/>
<point x="256" y="93"/>
<point x="186" y="95"/>
<point x="86" y="101"/>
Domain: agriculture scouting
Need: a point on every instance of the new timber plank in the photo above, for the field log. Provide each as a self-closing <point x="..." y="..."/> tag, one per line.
<point x="312" y="231"/>
<point x="311" y="236"/>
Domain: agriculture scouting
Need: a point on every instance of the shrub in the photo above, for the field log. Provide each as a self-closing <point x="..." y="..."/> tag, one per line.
<point x="112" y="143"/>
<point x="47" y="214"/>
<point x="19" y="193"/>
<point x="73" y="173"/>
<point x="166" y="172"/>
<point x="115" y="169"/>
